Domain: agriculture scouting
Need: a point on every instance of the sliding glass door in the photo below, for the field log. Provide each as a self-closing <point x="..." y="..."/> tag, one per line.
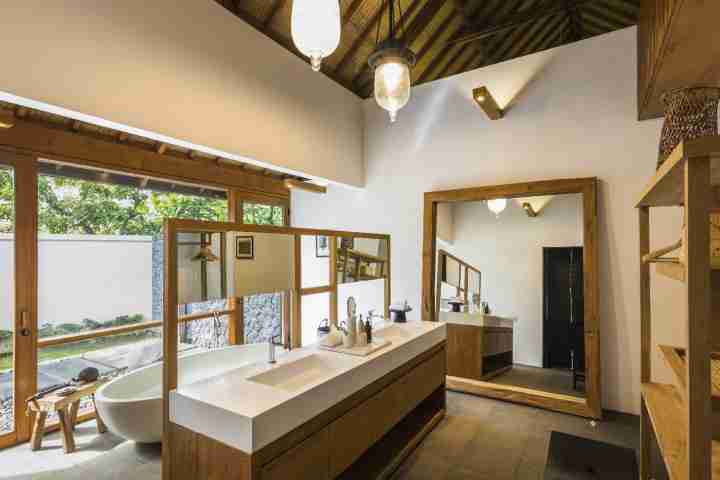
<point x="17" y="294"/>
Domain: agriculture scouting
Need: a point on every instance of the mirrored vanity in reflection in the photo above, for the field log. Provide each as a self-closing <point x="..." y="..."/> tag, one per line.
<point x="512" y="271"/>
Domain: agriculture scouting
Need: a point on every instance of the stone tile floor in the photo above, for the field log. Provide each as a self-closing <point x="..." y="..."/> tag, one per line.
<point x="479" y="439"/>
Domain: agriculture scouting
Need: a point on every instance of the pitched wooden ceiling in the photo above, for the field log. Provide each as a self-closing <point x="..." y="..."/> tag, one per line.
<point x="448" y="36"/>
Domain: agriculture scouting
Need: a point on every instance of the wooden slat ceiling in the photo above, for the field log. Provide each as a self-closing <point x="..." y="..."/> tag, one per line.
<point x="448" y="36"/>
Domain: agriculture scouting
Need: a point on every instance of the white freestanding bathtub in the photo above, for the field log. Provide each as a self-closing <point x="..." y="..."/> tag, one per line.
<point x="131" y="405"/>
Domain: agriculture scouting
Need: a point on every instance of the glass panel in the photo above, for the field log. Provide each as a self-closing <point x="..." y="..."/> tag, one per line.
<point x="315" y="260"/>
<point x="361" y="259"/>
<point x="7" y="299"/>
<point x="259" y="214"/>
<point x="100" y="265"/>
<point x="315" y="309"/>
<point x="262" y="313"/>
<point x="452" y="272"/>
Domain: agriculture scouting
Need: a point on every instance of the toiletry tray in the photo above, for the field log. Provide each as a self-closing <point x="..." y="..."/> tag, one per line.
<point x="359" y="351"/>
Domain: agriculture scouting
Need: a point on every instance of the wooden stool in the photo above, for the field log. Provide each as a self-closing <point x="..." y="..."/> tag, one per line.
<point x="67" y="409"/>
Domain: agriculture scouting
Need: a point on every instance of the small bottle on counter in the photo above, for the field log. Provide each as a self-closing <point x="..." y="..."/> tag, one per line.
<point x="368" y="331"/>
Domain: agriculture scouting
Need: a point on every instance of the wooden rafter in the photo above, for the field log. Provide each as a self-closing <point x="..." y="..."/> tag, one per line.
<point x="350" y="53"/>
<point x="552" y="7"/>
<point x="495" y="29"/>
<point x="277" y="6"/>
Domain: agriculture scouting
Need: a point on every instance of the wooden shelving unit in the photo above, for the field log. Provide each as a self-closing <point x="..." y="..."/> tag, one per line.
<point x="681" y="414"/>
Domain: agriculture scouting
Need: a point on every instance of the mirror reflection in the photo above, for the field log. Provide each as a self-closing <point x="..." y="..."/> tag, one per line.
<point x="510" y="286"/>
<point x="361" y="259"/>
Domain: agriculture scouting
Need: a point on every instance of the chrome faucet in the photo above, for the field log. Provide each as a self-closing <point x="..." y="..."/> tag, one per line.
<point x="272" y="343"/>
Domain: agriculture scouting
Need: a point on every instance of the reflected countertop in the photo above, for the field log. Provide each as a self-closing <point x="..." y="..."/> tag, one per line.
<point x="477" y="319"/>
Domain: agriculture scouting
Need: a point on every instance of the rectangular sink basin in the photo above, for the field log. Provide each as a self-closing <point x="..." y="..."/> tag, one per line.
<point x="298" y="374"/>
<point x="393" y="331"/>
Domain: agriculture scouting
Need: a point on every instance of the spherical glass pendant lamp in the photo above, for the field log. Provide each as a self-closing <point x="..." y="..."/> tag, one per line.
<point x="391" y="63"/>
<point x="315" y="28"/>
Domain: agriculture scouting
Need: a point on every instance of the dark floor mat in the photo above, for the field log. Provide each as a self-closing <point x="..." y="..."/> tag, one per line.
<point x="576" y="458"/>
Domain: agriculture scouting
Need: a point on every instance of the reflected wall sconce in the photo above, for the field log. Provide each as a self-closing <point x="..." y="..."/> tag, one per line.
<point x="534" y="205"/>
<point x="485" y="100"/>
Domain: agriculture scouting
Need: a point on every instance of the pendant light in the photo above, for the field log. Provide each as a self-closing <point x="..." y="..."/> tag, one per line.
<point x="497" y="205"/>
<point x="391" y="62"/>
<point x="315" y="28"/>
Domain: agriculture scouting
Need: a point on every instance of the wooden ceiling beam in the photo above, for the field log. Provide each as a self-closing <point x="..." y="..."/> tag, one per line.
<point x="350" y="53"/>
<point x="87" y="150"/>
<point x="519" y="46"/>
<point x="497" y="44"/>
<point x="426" y="75"/>
<point x="594" y="26"/>
<point x="351" y="11"/>
<point x="466" y="51"/>
<point x="610" y="14"/>
<point x="277" y="6"/>
<point x="576" y="20"/>
<point x="552" y="7"/>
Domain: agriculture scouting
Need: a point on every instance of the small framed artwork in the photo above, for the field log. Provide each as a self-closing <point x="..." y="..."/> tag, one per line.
<point x="322" y="246"/>
<point x="244" y="248"/>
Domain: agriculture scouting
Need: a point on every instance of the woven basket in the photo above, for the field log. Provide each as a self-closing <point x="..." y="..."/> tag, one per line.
<point x="689" y="113"/>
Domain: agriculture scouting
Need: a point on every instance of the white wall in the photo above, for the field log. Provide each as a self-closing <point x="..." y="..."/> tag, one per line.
<point x="84" y="276"/>
<point x="188" y="70"/>
<point x="508" y="252"/>
<point x="573" y="114"/>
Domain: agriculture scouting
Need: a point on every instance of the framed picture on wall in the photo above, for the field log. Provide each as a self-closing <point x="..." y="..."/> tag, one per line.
<point x="244" y="248"/>
<point x="322" y="246"/>
<point x="347" y="243"/>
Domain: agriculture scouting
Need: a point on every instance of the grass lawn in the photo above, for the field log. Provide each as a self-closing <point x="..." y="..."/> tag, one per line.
<point x="77" y="348"/>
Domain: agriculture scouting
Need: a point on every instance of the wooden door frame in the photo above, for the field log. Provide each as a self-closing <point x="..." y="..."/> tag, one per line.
<point x="591" y="405"/>
<point x="25" y="295"/>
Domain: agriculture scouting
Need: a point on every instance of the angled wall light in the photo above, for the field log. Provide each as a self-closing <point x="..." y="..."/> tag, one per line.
<point x="485" y="100"/>
<point x="533" y="205"/>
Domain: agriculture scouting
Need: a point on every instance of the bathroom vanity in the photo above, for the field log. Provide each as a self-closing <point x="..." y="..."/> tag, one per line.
<point x="479" y="346"/>
<point x="314" y="414"/>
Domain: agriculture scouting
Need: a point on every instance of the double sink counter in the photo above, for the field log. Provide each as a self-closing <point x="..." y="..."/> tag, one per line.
<point x="252" y="407"/>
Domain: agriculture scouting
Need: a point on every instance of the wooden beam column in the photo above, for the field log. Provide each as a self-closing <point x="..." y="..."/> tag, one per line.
<point x="646" y="443"/>
<point x="698" y="198"/>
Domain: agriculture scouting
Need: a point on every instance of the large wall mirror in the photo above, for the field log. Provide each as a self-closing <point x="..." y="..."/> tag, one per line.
<point x="512" y="270"/>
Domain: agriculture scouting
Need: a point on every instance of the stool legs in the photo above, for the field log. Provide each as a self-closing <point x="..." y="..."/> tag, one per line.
<point x="38" y="430"/>
<point x="101" y="428"/>
<point x="67" y="433"/>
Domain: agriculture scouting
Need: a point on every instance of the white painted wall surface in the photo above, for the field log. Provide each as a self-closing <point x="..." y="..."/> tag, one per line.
<point x="508" y="250"/>
<point x="187" y="70"/>
<point x="85" y="276"/>
<point x="573" y="113"/>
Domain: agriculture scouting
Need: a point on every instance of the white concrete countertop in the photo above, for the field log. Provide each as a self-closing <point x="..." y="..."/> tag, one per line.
<point x="248" y="415"/>
<point x="477" y="319"/>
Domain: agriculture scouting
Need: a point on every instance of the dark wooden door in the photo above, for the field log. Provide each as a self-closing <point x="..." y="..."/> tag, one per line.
<point x="562" y="307"/>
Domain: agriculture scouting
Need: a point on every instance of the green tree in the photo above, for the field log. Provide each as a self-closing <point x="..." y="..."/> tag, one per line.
<point x="7" y="204"/>
<point x="71" y="206"/>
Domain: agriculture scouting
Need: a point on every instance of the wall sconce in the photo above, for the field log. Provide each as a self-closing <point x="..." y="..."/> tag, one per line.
<point x="310" y="187"/>
<point x="534" y="205"/>
<point x="7" y="120"/>
<point x="482" y="97"/>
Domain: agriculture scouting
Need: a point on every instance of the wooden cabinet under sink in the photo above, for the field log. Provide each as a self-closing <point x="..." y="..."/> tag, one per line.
<point x="365" y="436"/>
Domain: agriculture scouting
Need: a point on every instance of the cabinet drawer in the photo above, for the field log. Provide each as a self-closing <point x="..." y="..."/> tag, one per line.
<point x="356" y="431"/>
<point x="307" y="461"/>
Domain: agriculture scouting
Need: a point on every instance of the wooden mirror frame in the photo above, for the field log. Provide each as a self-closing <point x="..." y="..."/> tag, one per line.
<point x="591" y="405"/>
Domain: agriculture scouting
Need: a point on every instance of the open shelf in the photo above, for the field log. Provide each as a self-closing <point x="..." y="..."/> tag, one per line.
<point x="675" y="358"/>
<point x="665" y="408"/>
<point x="666" y="187"/>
